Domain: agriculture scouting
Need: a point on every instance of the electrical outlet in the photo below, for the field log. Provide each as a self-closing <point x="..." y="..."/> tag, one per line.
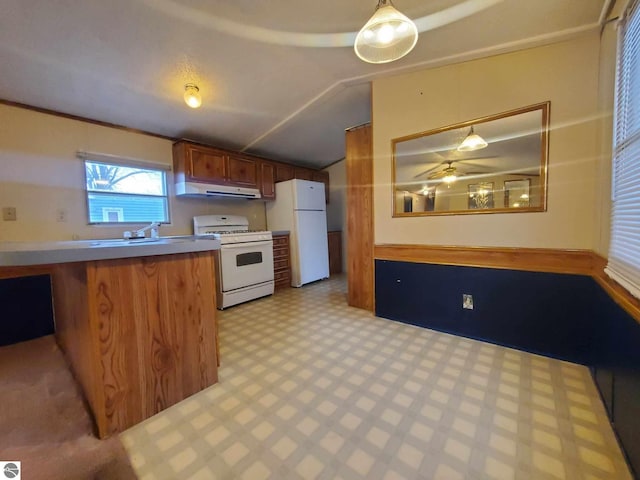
<point x="467" y="301"/>
<point x="9" y="214"/>
<point x="61" y="215"/>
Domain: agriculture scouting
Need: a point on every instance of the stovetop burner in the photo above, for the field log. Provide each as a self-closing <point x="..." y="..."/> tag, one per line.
<point x="229" y="229"/>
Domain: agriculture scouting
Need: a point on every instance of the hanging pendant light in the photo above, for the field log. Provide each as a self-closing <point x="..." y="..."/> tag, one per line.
<point x="387" y="36"/>
<point x="473" y="141"/>
<point x="192" y="95"/>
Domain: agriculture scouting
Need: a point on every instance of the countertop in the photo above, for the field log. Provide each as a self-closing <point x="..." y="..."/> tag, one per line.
<point x="275" y="233"/>
<point x="13" y="254"/>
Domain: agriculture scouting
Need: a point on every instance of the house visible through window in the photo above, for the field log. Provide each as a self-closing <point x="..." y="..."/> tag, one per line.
<point x="624" y="252"/>
<point x="125" y="193"/>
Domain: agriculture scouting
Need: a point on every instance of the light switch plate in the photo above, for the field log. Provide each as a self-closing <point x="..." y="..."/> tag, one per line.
<point x="467" y="301"/>
<point x="9" y="214"/>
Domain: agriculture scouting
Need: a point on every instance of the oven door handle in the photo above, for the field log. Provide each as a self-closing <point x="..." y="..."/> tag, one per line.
<point x="246" y="244"/>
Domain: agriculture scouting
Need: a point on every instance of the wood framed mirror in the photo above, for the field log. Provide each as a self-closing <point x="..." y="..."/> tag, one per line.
<point x="494" y="164"/>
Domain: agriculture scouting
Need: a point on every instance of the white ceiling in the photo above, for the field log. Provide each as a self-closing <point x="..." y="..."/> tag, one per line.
<point x="278" y="78"/>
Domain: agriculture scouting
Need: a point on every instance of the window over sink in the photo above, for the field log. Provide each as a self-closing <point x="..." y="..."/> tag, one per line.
<point x="125" y="191"/>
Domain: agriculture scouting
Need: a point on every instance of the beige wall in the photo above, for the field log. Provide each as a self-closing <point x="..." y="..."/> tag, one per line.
<point x="336" y="209"/>
<point x="567" y="74"/>
<point x="40" y="174"/>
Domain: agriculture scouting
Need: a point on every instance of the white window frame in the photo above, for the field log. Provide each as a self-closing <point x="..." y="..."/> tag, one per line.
<point x="129" y="163"/>
<point x="624" y="251"/>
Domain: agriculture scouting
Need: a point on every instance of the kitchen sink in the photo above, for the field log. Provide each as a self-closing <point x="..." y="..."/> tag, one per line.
<point x="121" y="242"/>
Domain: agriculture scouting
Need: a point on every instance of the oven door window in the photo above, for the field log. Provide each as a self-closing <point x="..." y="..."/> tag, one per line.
<point x="245" y="264"/>
<point x="251" y="258"/>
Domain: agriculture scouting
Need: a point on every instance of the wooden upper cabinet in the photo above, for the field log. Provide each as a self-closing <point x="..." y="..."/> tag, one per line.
<point x="198" y="163"/>
<point x="267" y="180"/>
<point x="303" y="173"/>
<point x="206" y="166"/>
<point x="322" y="176"/>
<point x="284" y="172"/>
<point x="242" y="171"/>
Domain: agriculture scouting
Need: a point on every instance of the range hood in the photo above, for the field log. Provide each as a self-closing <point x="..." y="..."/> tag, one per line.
<point x="212" y="190"/>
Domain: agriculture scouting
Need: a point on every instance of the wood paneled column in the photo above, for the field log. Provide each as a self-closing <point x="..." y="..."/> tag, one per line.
<point x="359" y="166"/>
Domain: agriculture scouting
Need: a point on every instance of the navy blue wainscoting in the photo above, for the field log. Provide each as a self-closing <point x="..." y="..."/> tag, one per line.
<point x="26" y="311"/>
<point x="617" y="371"/>
<point x="544" y="313"/>
<point x="563" y="316"/>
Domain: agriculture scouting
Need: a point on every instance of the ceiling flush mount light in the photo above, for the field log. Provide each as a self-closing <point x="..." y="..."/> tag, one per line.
<point x="472" y="142"/>
<point x="387" y="36"/>
<point x="192" y="95"/>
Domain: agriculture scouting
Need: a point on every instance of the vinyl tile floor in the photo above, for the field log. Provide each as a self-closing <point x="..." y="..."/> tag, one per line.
<point x="310" y="388"/>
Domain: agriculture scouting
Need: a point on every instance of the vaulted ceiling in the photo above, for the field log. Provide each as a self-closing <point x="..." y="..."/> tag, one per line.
<point x="278" y="78"/>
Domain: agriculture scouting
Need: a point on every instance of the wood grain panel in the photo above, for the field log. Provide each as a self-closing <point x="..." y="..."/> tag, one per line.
<point x="580" y="262"/>
<point x="359" y="167"/>
<point x="334" y="240"/>
<point x="112" y="313"/>
<point x="140" y="333"/>
<point x="75" y="335"/>
<point x="25" y="271"/>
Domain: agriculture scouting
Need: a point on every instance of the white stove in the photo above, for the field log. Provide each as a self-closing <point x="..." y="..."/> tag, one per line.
<point x="244" y="266"/>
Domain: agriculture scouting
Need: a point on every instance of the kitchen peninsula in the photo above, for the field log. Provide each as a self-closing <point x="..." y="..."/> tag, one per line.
<point x="136" y="320"/>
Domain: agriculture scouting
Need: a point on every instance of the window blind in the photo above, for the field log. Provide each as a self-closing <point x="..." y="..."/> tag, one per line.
<point x="624" y="251"/>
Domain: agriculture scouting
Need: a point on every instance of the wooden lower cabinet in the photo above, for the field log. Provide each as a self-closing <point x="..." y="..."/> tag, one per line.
<point x="335" y="251"/>
<point x="139" y="333"/>
<point x="281" y="260"/>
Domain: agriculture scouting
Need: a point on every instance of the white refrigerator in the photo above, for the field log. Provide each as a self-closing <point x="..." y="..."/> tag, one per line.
<point x="300" y="208"/>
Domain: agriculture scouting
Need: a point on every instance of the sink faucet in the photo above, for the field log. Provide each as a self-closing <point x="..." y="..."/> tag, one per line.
<point x="154" y="226"/>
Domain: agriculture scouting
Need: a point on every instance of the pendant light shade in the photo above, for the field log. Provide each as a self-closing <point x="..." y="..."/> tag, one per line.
<point x="192" y="95"/>
<point x="387" y="36"/>
<point x="450" y="178"/>
<point x="472" y="142"/>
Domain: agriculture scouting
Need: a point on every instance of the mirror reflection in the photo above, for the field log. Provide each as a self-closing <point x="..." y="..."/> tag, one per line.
<point x="492" y="164"/>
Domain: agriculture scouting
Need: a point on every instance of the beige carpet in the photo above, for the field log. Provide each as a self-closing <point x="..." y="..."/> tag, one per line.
<point x="44" y="423"/>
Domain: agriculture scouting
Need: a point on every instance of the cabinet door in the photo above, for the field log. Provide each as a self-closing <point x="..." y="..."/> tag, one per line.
<point x="303" y="173"/>
<point x="281" y="261"/>
<point x="242" y="171"/>
<point x="206" y="166"/>
<point x="334" y="240"/>
<point x="267" y="180"/>
<point x="284" y="172"/>
<point x="322" y="176"/>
